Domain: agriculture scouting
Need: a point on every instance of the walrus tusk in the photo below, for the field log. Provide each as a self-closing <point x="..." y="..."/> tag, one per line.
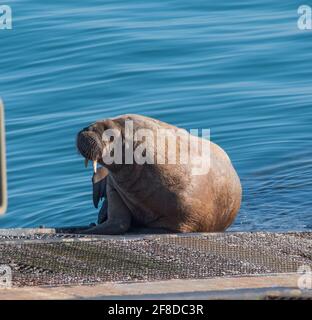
<point x="94" y="166"/>
<point x="86" y="163"/>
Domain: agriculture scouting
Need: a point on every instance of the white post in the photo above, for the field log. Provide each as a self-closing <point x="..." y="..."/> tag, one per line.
<point x="3" y="177"/>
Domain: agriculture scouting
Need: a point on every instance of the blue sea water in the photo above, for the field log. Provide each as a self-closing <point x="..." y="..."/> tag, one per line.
<point x="241" y="68"/>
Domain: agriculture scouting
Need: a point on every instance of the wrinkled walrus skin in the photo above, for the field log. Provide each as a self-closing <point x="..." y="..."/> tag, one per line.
<point x="165" y="196"/>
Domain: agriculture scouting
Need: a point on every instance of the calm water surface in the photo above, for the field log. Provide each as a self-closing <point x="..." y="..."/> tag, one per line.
<point x="240" y="68"/>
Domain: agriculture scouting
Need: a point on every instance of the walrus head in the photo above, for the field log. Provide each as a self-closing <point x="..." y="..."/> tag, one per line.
<point x="90" y="142"/>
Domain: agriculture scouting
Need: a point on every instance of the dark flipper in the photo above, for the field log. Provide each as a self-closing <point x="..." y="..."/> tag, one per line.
<point x="119" y="216"/>
<point x="99" y="181"/>
<point x="103" y="214"/>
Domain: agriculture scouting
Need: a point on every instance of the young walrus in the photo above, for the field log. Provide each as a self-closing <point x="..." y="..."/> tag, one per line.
<point x="189" y="186"/>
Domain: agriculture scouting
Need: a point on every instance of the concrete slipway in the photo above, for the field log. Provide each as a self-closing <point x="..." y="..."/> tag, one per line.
<point x="54" y="264"/>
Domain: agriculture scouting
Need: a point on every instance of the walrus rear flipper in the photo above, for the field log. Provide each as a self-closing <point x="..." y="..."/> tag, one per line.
<point x="99" y="185"/>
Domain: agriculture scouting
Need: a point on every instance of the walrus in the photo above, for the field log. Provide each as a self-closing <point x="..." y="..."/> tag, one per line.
<point x="157" y="193"/>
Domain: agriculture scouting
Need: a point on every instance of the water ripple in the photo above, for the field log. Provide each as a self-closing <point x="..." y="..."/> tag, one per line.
<point x="242" y="69"/>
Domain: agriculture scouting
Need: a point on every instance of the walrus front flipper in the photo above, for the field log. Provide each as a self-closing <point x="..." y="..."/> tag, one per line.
<point x="119" y="217"/>
<point x="103" y="214"/>
<point x="99" y="181"/>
